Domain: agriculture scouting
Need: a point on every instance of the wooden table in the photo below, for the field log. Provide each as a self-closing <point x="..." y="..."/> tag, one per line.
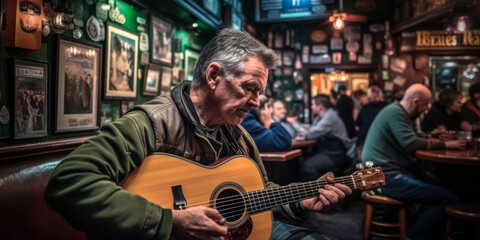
<point x="280" y="156"/>
<point x="457" y="170"/>
<point x="462" y="157"/>
<point x="303" y="143"/>
<point x="282" y="167"/>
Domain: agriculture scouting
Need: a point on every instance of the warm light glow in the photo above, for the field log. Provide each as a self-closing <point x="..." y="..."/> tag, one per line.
<point x="338" y="76"/>
<point x="338" y="19"/>
<point x="338" y="24"/>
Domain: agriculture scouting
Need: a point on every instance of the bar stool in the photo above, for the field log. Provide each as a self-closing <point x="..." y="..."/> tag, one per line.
<point x="465" y="212"/>
<point x="372" y="201"/>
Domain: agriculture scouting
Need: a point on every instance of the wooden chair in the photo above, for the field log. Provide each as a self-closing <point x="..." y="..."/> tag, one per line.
<point x="372" y="201"/>
<point x="465" y="212"/>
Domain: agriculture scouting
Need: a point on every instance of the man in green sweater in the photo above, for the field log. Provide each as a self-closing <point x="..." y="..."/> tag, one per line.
<point x="197" y="120"/>
<point x="391" y="144"/>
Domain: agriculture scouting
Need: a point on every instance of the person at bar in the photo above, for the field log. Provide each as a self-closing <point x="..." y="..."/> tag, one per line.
<point x="197" y="120"/>
<point x="269" y="136"/>
<point x="445" y="114"/>
<point x="471" y="109"/>
<point x="391" y="144"/>
<point x="344" y="107"/>
<point x="368" y="113"/>
<point x="330" y="152"/>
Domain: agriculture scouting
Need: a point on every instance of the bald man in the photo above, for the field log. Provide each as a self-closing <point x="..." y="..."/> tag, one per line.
<point x="391" y="144"/>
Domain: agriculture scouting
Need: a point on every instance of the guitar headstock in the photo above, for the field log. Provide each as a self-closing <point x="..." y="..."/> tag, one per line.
<point x="368" y="178"/>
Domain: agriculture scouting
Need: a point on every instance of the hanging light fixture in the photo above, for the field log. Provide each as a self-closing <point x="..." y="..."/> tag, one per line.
<point x="338" y="17"/>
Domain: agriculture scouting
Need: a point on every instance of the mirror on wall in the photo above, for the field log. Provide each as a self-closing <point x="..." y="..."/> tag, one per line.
<point x="458" y="72"/>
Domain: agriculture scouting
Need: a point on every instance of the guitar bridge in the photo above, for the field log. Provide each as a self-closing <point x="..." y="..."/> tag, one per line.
<point x="178" y="199"/>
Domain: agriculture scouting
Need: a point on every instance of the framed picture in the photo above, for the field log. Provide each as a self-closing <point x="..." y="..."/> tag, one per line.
<point x="167" y="75"/>
<point x="30" y="99"/>
<point x="121" y="68"/>
<point x="287" y="58"/>
<point x="78" y="85"/>
<point x="359" y="83"/>
<point x="162" y="41"/>
<point x="191" y="59"/>
<point x="23" y="23"/>
<point x="151" y="80"/>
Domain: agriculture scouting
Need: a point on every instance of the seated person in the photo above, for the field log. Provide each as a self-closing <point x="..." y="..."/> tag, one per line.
<point x="344" y="107"/>
<point x="279" y="112"/>
<point x="391" y="144"/>
<point x="332" y="141"/>
<point x="471" y="109"/>
<point x="293" y="126"/>
<point x="268" y="135"/>
<point x="360" y="98"/>
<point x="199" y="121"/>
<point x="368" y="113"/>
<point x="445" y="113"/>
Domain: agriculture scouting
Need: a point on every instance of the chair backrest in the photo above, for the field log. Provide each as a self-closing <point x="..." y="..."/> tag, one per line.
<point x="24" y="214"/>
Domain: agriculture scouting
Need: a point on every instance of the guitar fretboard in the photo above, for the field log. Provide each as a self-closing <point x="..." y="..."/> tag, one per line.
<point x="272" y="197"/>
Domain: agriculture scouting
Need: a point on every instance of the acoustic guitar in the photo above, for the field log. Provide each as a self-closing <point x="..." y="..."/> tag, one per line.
<point x="234" y="186"/>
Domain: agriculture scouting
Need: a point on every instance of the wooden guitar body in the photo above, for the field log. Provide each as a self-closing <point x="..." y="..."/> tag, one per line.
<point x="204" y="185"/>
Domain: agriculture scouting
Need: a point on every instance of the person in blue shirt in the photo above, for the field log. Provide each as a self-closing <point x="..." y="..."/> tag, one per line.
<point x="269" y="135"/>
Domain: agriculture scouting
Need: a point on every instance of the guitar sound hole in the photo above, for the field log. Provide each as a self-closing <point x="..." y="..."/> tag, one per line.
<point x="230" y="204"/>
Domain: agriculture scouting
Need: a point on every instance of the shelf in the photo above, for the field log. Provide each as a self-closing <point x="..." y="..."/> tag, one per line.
<point x="430" y="15"/>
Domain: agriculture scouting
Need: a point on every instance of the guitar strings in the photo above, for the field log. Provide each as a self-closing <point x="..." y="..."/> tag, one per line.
<point x="236" y="201"/>
<point x="314" y="183"/>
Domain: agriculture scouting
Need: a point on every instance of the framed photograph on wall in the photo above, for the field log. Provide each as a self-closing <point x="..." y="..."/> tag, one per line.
<point x="359" y="83"/>
<point x="191" y="59"/>
<point x="151" y="80"/>
<point x="167" y="75"/>
<point x="78" y="85"/>
<point x="121" y="68"/>
<point x="161" y="33"/>
<point x="30" y="99"/>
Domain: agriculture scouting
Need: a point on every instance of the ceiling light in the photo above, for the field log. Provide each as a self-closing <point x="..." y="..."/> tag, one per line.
<point x="338" y="19"/>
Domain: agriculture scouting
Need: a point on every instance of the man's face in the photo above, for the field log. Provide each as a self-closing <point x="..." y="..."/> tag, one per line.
<point x="423" y="104"/>
<point x="120" y="67"/>
<point x="235" y="98"/>
<point x="279" y="110"/>
<point x="456" y="105"/>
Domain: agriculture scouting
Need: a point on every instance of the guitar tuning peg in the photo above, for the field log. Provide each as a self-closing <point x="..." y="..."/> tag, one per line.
<point x="359" y="166"/>
<point x="369" y="164"/>
<point x="364" y="193"/>
<point x="371" y="192"/>
<point x="379" y="190"/>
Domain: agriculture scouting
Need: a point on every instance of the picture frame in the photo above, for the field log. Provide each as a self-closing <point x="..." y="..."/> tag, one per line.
<point x="121" y="64"/>
<point x="23" y="24"/>
<point x="287" y="58"/>
<point x="78" y="92"/>
<point x="360" y="83"/>
<point x="161" y="33"/>
<point x="30" y="104"/>
<point x="191" y="59"/>
<point x="152" y="79"/>
<point x="166" y="80"/>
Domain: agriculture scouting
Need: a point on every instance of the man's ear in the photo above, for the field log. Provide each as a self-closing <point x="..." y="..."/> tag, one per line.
<point x="214" y="70"/>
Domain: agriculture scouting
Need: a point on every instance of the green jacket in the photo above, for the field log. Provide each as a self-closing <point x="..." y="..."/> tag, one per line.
<point x="391" y="142"/>
<point x="84" y="190"/>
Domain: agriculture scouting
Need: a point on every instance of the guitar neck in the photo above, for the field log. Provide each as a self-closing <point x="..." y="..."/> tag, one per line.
<point x="272" y="197"/>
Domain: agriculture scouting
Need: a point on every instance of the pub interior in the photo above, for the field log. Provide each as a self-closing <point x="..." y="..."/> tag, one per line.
<point x="70" y="68"/>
